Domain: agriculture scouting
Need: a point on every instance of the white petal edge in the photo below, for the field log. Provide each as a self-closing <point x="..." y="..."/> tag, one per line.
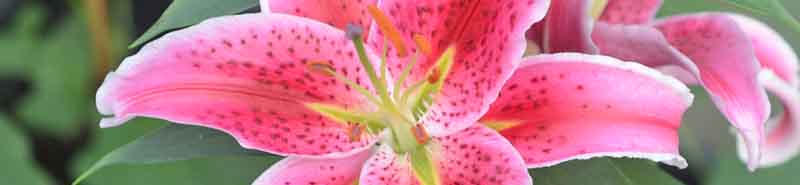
<point x="264" y="6"/>
<point x="668" y="159"/>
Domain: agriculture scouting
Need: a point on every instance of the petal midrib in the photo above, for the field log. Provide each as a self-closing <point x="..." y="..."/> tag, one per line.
<point x="461" y="25"/>
<point x="215" y="88"/>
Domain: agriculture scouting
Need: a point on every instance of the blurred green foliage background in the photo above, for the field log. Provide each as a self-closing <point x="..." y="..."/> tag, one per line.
<point x="48" y="123"/>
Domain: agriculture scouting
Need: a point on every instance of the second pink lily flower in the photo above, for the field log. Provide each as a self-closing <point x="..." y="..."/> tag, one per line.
<point x="734" y="57"/>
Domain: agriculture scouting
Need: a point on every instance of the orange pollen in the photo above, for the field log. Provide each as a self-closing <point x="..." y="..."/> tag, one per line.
<point x="423" y="44"/>
<point x="420" y="134"/>
<point x="434" y="76"/>
<point x="389" y="30"/>
<point x="355" y="132"/>
<point x="321" y="68"/>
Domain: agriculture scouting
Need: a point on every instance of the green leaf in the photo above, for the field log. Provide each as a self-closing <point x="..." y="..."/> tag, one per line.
<point x="755" y="6"/>
<point x="733" y="171"/>
<point x="59" y="67"/>
<point x="205" y="171"/>
<point x="182" y="13"/>
<point x="770" y="8"/>
<point x="424" y="166"/>
<point x="173" y="143"/>
<point x="18" y="164"/>
<point x="18" y="39"/>
<point x="60" y="70"/>
<point x="604" y="171"/>
<point x="703" y="133"/>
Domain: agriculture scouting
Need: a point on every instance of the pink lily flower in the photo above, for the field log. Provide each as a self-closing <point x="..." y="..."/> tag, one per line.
<point x="734" y="57"/>
<point x="297" y="86"/>
<point x="301" y="88"/>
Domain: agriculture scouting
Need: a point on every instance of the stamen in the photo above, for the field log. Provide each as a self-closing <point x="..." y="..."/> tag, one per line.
<point x="410" y="90"/>
<point x="355" y="132"/>
<point x="423" y="44"/>
<point x="420" y="134"/>
<point x="328" y="70"/>
<point x="320" y="67"/>
<point x="388" y="29"/>
<point x="443" y="66"/>
<point x="406" y="70"/>
<point x="434" y="76"/>
<point x="384" y="61"/>
<point x="500" y="125"/>
<point x="431" y="86"/>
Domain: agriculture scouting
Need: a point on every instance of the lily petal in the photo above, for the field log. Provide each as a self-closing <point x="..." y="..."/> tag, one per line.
<point x="337" y="13"/>
<point x="299" y="170"/>
<point x="535" y="35"/>
<point x="643" y="44"/>
<point x="727" y="68"/>
<point x="783" y="140"/>
<point x="630" y="11"/>
<point x="476" y="155"/>
<point x="568" y="106"/>
<point x="489" y="39"/>
<point x="568" y="27"/>
<point x="780" y="78"/>
<point x="386" y="168"/>
<point x="246" y="75"/>
<point x="772" y="51"/>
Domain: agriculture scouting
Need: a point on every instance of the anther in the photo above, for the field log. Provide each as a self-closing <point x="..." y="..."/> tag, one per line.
<point x="434" y="76"/>
<point x="355" y="131"/>
<point x="320" y="67"/>
<point x="420" y="134"/>
<point x="423" y="44"/>
<point x="389" y="30"/>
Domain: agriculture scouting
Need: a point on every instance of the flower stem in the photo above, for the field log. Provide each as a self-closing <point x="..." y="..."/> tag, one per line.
<point x="97" y="14"/>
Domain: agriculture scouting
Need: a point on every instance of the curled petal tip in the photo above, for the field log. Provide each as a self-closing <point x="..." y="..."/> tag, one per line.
<point x="783" y="138"/>
<point x="112" y="122"/>
<point x="750" y="153"/>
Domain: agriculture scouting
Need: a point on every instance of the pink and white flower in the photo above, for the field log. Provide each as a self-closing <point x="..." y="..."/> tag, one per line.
<point x="723" y="52"/>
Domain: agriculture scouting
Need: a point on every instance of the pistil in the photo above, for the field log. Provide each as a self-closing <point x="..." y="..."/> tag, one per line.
<point x="356" y="34"/>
